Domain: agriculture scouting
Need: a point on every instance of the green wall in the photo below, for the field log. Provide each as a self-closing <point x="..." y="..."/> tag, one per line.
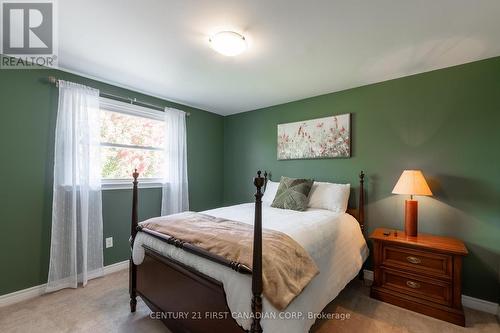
<point x="28" y="107"/>
<point x="445" y="122"/>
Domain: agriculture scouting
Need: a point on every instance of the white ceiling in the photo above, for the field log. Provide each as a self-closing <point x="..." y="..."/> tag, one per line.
<point x="297" y="49"/>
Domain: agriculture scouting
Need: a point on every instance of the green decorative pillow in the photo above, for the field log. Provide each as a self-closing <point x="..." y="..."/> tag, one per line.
<point x="292" y="193"/>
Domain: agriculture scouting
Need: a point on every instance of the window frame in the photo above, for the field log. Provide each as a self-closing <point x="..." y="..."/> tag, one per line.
<point x="130" y="109"/>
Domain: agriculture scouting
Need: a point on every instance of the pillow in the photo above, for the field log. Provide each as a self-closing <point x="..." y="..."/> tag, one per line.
<point x="270" y="192"/>
<point x="292" y="193"/>
<point x="334" y="197"/>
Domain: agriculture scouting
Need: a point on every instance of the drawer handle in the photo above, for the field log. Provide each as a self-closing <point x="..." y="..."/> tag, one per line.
<point x="412" y="284"/>
<point x="413" y="260"/>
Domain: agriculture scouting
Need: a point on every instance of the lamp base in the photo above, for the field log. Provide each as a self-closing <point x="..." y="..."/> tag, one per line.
<point x="411" y="217"/>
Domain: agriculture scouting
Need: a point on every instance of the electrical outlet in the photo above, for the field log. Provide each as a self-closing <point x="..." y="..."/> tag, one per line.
<point x="109" y="242"/>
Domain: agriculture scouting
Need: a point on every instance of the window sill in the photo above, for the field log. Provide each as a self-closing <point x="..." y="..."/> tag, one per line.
<point x="127" y="185"/>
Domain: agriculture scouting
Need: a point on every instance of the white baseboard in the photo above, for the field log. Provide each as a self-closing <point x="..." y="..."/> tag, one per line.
<point x="368" y="275"/>
<point x="480" y="305"/>
<point x="22" y="295"/>
<point x="25" y="294"/>
<point x="113" y="268"/>
<point x="467" y="301"/>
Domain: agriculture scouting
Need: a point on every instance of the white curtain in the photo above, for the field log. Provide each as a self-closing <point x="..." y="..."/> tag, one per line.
<point x="76" y="250"/>
<point x="175" y="197"/>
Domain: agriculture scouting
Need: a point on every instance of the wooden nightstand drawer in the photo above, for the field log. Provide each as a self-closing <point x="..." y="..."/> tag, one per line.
<point x="425" y="288"/>
<point x="421" y="273"/>
<point x="430" y="263"/>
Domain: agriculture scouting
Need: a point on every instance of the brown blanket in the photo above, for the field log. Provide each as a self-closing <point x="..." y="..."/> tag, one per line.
<point x="286" y="267"/>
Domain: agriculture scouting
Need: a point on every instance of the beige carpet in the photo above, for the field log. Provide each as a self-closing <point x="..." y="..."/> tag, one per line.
<point x="102" y="306"/>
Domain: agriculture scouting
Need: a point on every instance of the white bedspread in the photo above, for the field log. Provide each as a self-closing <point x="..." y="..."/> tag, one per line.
<point x="333" y="240"/>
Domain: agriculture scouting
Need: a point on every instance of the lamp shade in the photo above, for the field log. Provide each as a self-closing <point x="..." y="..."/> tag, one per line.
<point x="412" y="182"/>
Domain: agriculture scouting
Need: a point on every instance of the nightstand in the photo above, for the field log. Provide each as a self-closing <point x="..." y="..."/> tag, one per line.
<point x="422" y="274"/>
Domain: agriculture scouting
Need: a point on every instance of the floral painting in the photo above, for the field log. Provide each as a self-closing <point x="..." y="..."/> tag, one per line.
<point x="328" y="137"/>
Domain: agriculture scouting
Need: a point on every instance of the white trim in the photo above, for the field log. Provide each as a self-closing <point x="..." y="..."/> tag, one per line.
<point x="25" y="294"/>
<point x="467" y="301"/>
<point x="116" y="267"/>
<point x="368" y="275"/>
<point x="22" y="295"/>
<point x="120" y="145"/>
<point x="130" y="109"/>
<point x="480" y="305"/>
<point x="126" y="184"/>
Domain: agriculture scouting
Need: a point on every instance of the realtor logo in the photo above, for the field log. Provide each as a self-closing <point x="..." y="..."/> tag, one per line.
<point x="28" y="33"/>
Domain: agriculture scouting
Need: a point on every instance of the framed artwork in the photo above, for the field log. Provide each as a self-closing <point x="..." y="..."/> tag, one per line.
<point x="328" y="137"/>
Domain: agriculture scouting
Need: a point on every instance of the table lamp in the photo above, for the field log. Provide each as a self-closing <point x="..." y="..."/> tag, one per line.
<point x="411" y="182"/>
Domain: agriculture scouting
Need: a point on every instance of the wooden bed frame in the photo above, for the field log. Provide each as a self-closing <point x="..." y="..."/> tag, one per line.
<point x="189" y="301"/>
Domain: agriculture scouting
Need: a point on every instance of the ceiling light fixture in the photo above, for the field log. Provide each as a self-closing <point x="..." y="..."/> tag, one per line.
<point x="228" y="43"/>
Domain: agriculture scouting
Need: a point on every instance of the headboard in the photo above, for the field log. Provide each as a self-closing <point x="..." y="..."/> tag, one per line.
<point x="359" y="211"/>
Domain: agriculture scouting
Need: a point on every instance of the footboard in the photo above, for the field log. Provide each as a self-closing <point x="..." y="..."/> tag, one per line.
<point x="184" y="299"/>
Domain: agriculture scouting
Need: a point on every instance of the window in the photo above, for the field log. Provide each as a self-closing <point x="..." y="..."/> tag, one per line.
<point x="132" y="137"/>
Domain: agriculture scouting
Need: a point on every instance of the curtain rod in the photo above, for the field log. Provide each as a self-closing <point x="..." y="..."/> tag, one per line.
<point x="54" y="80"/>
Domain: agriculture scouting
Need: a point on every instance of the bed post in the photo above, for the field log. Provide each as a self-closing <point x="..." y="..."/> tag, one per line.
<point x="361" y="213"/>
<point x="133" y="233"/>
<point x="257" y="258"/>
<point x="265" y="180"/>
<point x="361" y="201"/>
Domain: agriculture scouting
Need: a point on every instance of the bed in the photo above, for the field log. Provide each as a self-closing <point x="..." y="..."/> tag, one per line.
<point x="193" y="291"/>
